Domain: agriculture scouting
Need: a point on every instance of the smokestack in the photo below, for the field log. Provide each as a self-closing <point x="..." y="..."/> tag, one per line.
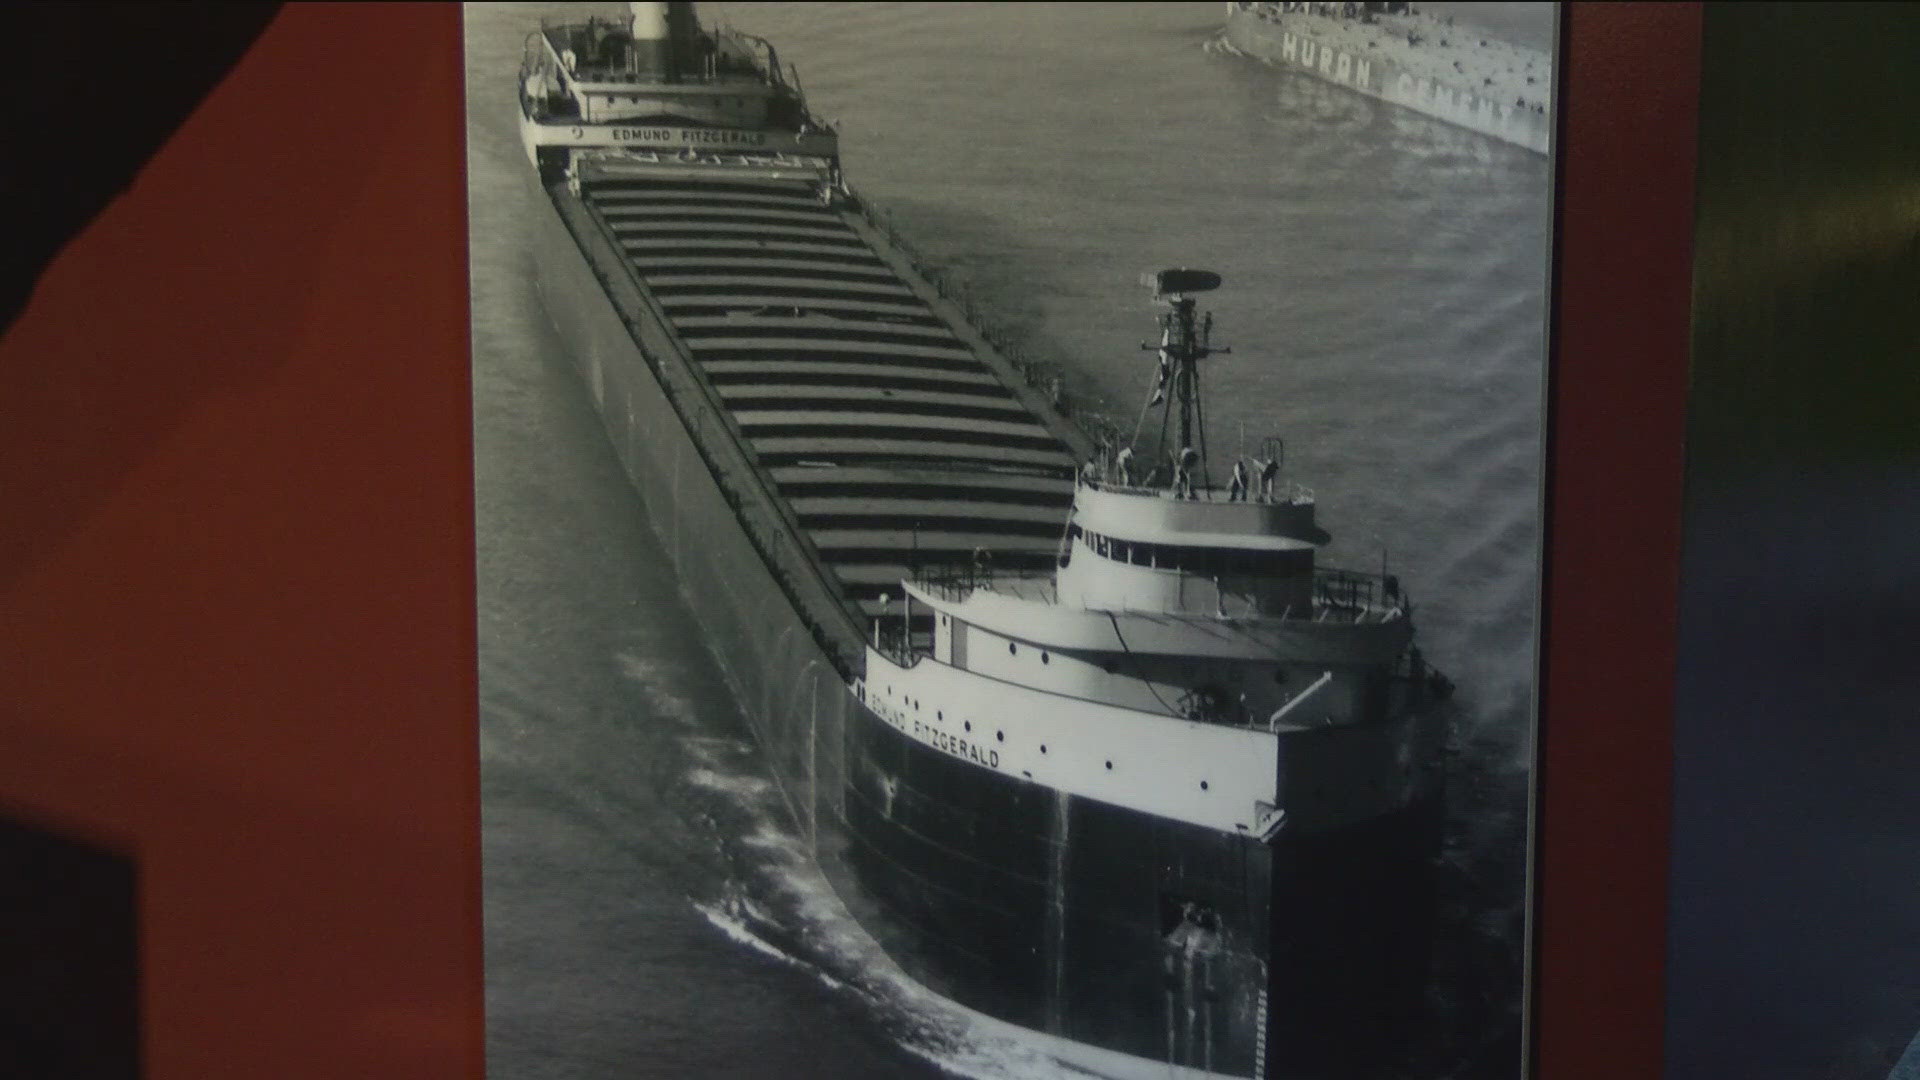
<point x="652" y="42"/>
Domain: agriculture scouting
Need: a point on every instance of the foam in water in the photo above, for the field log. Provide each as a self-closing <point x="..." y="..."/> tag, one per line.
<point x="651" y="677"/>
<point x="737" y="929"/>
<point x="829" y="945"/>
<point x="734" y="784"/>
<point x="925" y="1025"/>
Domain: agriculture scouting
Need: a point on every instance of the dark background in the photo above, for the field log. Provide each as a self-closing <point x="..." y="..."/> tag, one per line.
<point x="94" y="89"/>
<point x="1795" y="918"/>
<point x="69" y="1000"/>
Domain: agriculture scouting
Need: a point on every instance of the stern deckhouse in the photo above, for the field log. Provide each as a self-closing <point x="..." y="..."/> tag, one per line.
<point x="656" y="95"/>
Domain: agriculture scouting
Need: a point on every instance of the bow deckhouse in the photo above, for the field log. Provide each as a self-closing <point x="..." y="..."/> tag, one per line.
<point x="1181" y="634"/>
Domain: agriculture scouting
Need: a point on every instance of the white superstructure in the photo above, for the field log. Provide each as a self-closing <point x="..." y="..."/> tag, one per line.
<point x="1185" y="658"/>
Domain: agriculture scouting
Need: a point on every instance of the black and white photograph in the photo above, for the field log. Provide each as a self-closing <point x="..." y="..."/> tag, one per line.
<point x="1008" y="535"/>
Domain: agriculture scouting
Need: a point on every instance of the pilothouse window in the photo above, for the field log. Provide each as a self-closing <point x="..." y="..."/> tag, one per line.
<point x="1209" y="562"/>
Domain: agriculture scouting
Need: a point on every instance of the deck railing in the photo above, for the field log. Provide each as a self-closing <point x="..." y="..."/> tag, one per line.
<point x="955" y="581"/>
<point x="1287" y="494"/>
<point x="1338" y="595"/>
<point x="735" y="57"/>
<point x="1042" y="375"/>
<point x="1356" y="591"/>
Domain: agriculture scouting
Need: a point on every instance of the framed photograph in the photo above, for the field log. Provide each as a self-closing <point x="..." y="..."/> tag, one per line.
<point x="1010" y="537"/>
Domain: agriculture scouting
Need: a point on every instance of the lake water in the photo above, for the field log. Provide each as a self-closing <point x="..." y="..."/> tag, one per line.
<point x="648" y="913"/>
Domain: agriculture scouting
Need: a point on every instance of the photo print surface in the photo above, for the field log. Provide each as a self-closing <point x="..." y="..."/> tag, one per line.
<point x="1008" y="536"/>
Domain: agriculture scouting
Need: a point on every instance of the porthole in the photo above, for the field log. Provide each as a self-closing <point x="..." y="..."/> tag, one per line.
<point x="1012" y="648"/>
<point x="1045" y="659"/>
<point x="939" y="714"/>
<point x="1109" y="766"/>
<point x="1043" y="748"/>
<point x="1203" y="785"/>
<point x="1000" y="736"/>
<point x="969" y="725"/>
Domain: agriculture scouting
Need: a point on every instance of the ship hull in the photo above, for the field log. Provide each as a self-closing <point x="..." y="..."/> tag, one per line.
<point x="1053" y="912"/>
<point x="1299" y="42"/>
<point x="785" y="683"/>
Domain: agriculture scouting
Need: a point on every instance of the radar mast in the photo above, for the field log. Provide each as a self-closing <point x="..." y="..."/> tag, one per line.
<point x="1186" y="338"/>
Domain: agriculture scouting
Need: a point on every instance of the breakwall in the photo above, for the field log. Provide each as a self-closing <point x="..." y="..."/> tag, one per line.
<point x="1312" y="44"/>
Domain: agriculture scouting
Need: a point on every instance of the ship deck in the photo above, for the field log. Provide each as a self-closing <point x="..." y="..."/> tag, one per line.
<point x="893" y="434"/>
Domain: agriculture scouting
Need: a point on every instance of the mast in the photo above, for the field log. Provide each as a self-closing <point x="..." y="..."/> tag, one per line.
<point x="1186" y="338"/>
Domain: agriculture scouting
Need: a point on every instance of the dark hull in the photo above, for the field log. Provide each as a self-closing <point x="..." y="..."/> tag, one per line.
<point x="1354" y="916"/>
<point x="1052" y="912"/>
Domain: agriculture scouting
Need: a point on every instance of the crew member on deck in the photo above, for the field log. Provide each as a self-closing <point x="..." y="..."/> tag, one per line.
<point x="1237" y="487"/>
<point x="1166" y="371"/>
<point x="1183" y="472"/>
<point x="1269" y="469"/>
<point x="1123" y="465"/>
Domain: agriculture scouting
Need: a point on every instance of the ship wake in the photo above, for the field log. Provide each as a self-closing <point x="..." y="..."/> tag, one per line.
<point x="777" y="903"/>
<point x="1218" y="45"/>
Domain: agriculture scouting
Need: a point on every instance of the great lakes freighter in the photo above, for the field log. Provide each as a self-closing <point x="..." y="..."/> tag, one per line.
<point x="1083" y="737"/>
